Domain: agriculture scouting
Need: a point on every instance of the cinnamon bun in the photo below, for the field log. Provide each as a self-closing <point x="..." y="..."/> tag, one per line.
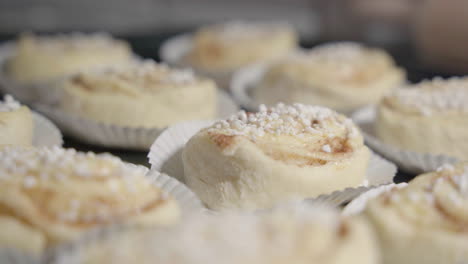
<point x="42" y="58"/>
<point x="343" y="76"/>
<point x="227" y="47"/>
<point x="253" y="160"/>
<point x="16" y="124"/>
<point x="144" y="94"/>
<point x="427" y="221"/>
<point x="52" y="195"/>
<point x="279" y="237"/>
<point x="429" y="117"/>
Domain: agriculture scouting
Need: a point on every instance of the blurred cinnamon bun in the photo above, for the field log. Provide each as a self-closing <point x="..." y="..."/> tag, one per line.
<point x="279" y="237"/>
<point x="429" y="117"/>
<point x="253" y="160"/>
<point x="343" y="76"/>
<point x="52" y="195"/>
<point x="427" y="221"/>
<point x="44" y="58"/>
<point x="143" y="94"/>
<point x="16" y="124"/>
<point x="227" y="47"/>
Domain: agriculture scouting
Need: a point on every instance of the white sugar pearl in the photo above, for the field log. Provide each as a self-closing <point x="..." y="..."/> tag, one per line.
<point x="284" y="120"/>
<point x="29" y="182"/>
<point x="326" y="148"/>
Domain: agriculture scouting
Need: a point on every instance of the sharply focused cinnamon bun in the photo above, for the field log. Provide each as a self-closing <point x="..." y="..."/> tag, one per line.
<point x="429" y="117"/>
<point x="43" y="58"/>
<point x="279" y="237"/>
<point x="16" y="124"/>
<point x="52" y="195"/>
<point x="143" y="94"/>
<point x="342" y="76"/>
<point x="427" y="221"/>
<point x="227" y="47"/>
<point x="253" y="160"/>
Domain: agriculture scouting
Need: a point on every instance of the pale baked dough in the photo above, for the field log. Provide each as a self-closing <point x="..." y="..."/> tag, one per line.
<point x="429" y="117"/>
<point x="227" y="47"/>
<point x="253" y="160"/>
<point x="144" y="94"/>
<point x="425" y="222"/>
<point x="16" y="124"/>
<point x="53" y="195"/>
<point x="343" y="76"/>
<point x="280" y="237"/>
<point x="43" y="58"/>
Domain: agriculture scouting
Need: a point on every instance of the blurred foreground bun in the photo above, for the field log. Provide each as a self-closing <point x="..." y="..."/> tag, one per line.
<point x="427" y="221"/>
<point x="53" y="195"/>
<point x="284" y="236"/>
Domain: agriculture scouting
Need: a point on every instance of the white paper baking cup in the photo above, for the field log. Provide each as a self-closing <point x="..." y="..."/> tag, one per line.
<point x="409" y="161"/>
<point x="45" y="133"/>
<point x="115" y="136"/>
<point x="188" y="200"/>
<point x="165" y="156"/>
<point x="174" y="50"/>
<point x="359" y="204"/>
<point x="242" y="84"/>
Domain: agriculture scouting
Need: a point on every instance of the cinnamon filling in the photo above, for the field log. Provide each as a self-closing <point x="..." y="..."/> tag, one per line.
<point x="223" y="141"/>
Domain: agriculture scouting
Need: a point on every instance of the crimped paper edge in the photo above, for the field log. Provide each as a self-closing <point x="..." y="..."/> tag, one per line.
<point x="358" y="205"/>
<point x="186" y="198"/>
<point x="243" y="81"/>
<point x="165" y="151"/>
<point x="45" y="132"/>
<point x="409" y="161"/>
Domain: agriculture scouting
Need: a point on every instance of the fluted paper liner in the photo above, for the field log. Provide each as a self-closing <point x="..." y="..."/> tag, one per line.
<point x="45" y="133"/>
<point x="187" y="199"/>
<point x="174" y="50"/>
<point x="109" y="135"/>
<point x="165" y="156"/>
<point x="243" y="82"/>
<point x="359" y="204"/>
<point x="409" y="161"/>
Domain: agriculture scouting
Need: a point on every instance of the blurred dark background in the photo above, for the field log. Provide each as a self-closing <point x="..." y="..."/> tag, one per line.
<point x="427" y="37"/>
